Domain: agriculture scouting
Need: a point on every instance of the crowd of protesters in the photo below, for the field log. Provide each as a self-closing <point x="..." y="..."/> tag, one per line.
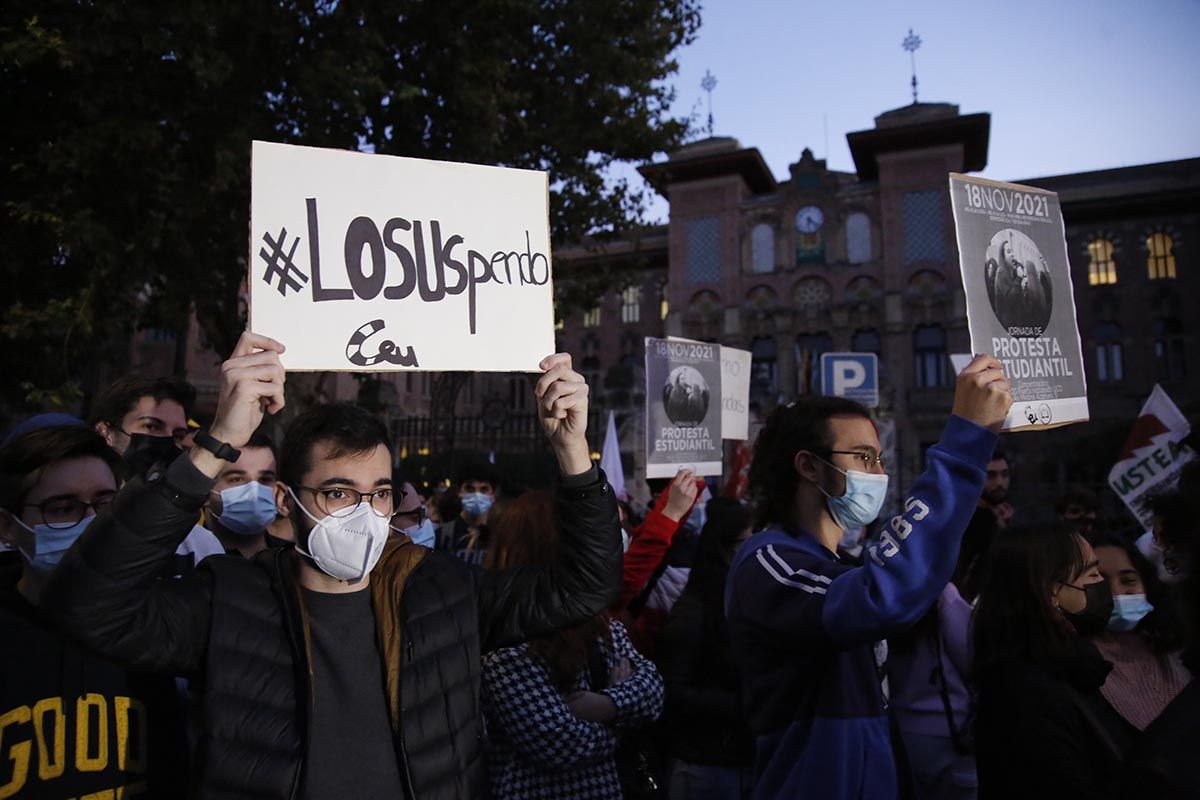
<point x="219" y="613"/>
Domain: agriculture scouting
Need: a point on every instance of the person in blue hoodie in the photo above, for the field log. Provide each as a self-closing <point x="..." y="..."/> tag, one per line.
<point x="809" y="630"/>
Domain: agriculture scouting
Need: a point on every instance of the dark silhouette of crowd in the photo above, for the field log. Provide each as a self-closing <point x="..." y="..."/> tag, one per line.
<point x="248" y="609"/>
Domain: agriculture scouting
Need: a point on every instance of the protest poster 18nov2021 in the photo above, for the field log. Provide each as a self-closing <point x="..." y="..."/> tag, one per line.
<point x="365" y="262"/>
<point x="683" y="407"/>
<point x="1020" y="302"/>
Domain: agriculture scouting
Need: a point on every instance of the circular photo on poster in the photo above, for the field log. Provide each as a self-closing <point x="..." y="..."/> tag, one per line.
<point x="1018" y="283"/>
<point x="685" y="396"/>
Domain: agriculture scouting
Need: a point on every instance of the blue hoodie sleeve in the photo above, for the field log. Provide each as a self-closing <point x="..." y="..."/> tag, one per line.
<point x="788" y="591"/>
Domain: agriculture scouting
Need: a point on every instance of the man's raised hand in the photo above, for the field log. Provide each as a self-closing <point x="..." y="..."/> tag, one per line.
<point x="982" y="394"/>
<point x="251" y="384"/>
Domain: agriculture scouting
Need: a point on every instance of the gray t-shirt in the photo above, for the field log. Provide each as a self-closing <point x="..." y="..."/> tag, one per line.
<point x="351" y="751"/>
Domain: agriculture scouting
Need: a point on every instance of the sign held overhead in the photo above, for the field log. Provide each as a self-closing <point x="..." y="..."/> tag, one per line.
<point x="362" y="262"/>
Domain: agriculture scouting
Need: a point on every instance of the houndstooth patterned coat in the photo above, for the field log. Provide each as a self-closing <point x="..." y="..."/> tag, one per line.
<point x="538" y="749"/>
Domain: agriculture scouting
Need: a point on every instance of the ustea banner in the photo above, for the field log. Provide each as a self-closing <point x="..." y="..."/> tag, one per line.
<point x="1153" y="457"/>
<point x="1020" y="304"/>
<point x="683" y="407"/>
<point x="362" y="262"/>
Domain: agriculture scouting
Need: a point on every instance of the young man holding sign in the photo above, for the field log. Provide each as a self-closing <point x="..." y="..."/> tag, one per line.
<point x="349" y="666"/>
<point x="807" y="628"/>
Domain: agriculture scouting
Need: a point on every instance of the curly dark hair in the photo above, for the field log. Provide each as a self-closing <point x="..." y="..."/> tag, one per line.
<point x="803" y="425"/>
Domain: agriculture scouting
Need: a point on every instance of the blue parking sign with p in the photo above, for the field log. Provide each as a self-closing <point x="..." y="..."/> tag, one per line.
<point x="851" y="375"/>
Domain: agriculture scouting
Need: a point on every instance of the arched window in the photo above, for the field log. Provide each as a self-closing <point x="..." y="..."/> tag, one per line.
<point x="1110" y="366"/>
<point x="929" y="356"/>
<point x="858" y="238"/>
<point x="1169" y="361"/>
<point x="1161" y="260"/>
<point x="762" y="248"/>
<point x="1102" y="269"/>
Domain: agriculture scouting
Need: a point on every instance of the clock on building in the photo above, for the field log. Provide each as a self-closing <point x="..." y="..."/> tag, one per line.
<point x="809" y="219"/>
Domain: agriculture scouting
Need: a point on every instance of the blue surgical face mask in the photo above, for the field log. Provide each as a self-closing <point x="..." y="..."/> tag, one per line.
<point x="1128" y="611"/>
<point x="247" y="509"/>
<point x="477" y="503"/>
<point x="862" y="501"/>
<point x="422" y="534"/>
<point x="50" y="543"/>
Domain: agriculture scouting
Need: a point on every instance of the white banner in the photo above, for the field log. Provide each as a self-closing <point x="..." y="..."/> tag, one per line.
<point x="363" y="262"/>
<point x="1153" y="456"/>
<point x="735" y="390"/>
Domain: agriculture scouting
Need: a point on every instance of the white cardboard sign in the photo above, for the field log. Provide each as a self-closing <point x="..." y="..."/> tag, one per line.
<point x="363" y="262"/>
<point x="735" y="390"/>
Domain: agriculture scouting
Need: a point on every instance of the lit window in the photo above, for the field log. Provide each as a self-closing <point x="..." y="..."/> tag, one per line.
<point x="1161" y="261"/>
<point x="591" y="318"/>
<point x="631" y="304"/>
<point x="1102" y="269"/>
<point x="664" y="306"/>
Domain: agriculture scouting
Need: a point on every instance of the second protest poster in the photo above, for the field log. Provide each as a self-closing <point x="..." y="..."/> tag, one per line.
<point x="1020" y="303"/>
<point x="683" y="408"/>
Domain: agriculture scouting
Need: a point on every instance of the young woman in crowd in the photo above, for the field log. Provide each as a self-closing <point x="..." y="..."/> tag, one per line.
<point x="1140" y="639"/>
<point x="556" y="706"/>
<point x="929" y="671"/>
<point x="1044" y="728"/>
<point x="706" y="735"/>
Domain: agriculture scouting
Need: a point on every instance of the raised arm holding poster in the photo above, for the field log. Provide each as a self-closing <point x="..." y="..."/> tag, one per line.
<point x="683" y="407"/>
<point x="1020" y="304"/>
<point x="365" y="262"/>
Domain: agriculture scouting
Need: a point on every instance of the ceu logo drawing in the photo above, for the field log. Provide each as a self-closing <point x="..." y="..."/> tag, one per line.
<point x="385" y="351"/>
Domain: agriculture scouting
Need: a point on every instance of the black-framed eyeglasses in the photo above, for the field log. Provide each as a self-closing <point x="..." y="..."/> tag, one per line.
<point x="64" y="512"/>
<point x="177" y="435"/>
<point x="419" y="512"/>
<point x="341" y="501"/>
<point x="868" y="459"/>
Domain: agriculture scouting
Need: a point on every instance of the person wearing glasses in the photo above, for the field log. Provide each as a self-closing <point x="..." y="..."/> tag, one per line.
<point x="807" y="629"/>
<point x="72" y="723"/>
<point x="349" y="665"/>
<point x="411" y="517"/>
<point x="146" y="421"/>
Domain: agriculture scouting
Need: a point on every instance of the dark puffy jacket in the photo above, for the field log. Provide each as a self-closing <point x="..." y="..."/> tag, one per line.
<point x="237" y="626"/>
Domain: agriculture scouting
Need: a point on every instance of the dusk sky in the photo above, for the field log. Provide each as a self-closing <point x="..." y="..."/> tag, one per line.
<point x="1070" y="85"/>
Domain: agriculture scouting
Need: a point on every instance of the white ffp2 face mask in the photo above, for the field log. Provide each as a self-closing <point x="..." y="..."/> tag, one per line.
<point x="346" y="548"/>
